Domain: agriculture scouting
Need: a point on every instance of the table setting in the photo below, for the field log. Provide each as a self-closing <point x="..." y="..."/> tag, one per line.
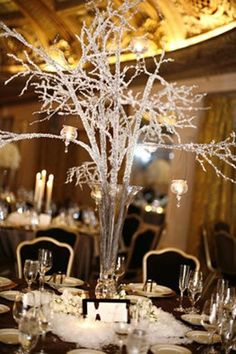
<point x="66" y="313"/>
<point x="71" y="333"/>
<point x="156" y="291"/>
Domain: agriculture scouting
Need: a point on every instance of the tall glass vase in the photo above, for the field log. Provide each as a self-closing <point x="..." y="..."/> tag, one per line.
<point x="112" y="206"/>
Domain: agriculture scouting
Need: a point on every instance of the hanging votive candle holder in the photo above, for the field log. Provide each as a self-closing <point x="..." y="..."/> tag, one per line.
<point x="179" y="187"/>
<point x="139" y="46"/>
<point x="68" y="133"/>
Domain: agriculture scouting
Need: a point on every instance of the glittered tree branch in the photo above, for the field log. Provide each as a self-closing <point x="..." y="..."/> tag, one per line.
<point x="97" y="93"/>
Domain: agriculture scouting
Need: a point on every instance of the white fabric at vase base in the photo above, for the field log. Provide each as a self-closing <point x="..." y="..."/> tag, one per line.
<point x="96" y="334"/>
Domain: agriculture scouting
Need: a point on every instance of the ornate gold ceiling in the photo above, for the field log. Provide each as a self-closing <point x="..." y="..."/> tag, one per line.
<point x="169" y="24"/>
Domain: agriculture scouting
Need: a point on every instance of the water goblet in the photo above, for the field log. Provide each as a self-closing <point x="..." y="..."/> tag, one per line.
<point x="184" y="274"/>
<point x="195" y="287"/>
<point x="210" y="321"/>
<point x="45" y="264"/>
<point x="28" y="333"/>
<point x="137" y="342"/>
<point x="31" y="269"/>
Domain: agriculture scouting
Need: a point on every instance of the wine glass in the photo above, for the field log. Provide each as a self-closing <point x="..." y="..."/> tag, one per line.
<point x="122" y="330"/>
<point x="45" y="314"/>
<point x="24" y="302"/>
<point x="221" y="286"/>
<point x="19" y="308"/>
<point x="184" y="274"/>
<point x="228" y="332"/>
<point x="28" y="333"/>
<point x="229" y="299"/>
<point x="210" y="320"/>
<point x="195" y="287"/>
<point x="31" y="269"/>
<point x="45" y="264"/>
<point x="3" y="212"/>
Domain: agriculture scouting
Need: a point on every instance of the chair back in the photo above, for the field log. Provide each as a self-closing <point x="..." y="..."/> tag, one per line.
<point x="221" y="226"/>
<point x="63" y="254"/>
<point x="59" y="234"/>
<point x="144" y="240"/>
<point x="131" y="225"/>
<point x="226" y="252"/>
<point x="207" y="253"/>
<point x="153" y="218"/>
<point x="162" y="266"/>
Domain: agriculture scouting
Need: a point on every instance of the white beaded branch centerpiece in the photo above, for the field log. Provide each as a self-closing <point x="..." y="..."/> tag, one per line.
<point x="97" y="94"/>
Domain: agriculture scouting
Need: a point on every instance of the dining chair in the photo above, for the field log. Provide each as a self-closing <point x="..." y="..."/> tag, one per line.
<point x="162" y="266"/>
<point x="131" y="225"/>
<point x="145" y="239"/>
<point x="211" y="266"/>
<point x="152" y="217"/>
<point x="226" y="254"/>
<point x="63" y="254"/>
<point x="59" y="234"/>
<point x="221" y="226"/>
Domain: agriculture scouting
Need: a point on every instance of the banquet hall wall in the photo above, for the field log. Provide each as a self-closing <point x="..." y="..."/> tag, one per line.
<point x="43" y="154"/>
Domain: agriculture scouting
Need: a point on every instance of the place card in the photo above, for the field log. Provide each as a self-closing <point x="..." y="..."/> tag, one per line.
<point x="106" y="310"/>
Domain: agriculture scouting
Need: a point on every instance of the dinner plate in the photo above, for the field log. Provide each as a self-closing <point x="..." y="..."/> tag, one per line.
<point x="4" y="309"/>
<point x="157" y="291"/>
<point x="9" y="335"/>
<point x="194" y="319"/>
<point x="169" y="349"/>
<point x="9" y="294"/>
<point x="4" y="282"/>
<point x="85" y="351"/>
<point x="67" y="282"/>
<point x="202" y="337"/>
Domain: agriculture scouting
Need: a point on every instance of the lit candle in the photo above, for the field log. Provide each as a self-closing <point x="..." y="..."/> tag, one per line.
<point x="36" y="190"/>
<point x="43" y="177"/>
<point x="40" y="196"/>
<point x="49" y="193"/>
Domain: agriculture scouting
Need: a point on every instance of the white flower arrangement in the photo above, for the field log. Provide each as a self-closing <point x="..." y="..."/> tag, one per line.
<point x="10" y="156"/>
<point x="68" y="303"/>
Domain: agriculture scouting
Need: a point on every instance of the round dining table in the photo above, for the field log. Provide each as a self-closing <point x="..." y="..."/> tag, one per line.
<point x="85" y="249"/>
<point x="54" y="345"/>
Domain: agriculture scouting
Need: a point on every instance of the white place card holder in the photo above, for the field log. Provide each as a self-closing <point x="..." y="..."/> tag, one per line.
<point x="106" y="310"/>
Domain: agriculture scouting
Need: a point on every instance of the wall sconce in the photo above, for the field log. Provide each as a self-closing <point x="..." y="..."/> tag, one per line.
<point x="179" y="187"/>
<point x="68" y="133"/>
